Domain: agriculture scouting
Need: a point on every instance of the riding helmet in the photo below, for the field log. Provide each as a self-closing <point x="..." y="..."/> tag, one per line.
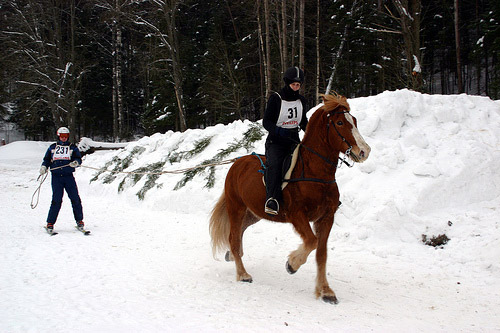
<point x="293" y="74"/>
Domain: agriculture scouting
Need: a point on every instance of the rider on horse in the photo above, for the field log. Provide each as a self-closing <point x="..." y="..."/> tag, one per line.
<point x="285" y="115"/>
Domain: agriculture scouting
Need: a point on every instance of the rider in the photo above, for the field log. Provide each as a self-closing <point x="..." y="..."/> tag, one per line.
<point x="285" y="115"/>
<point x="62" y="158"/>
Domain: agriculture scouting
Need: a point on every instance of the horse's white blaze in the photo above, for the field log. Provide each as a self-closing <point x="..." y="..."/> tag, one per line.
<point x="360" y="142"/>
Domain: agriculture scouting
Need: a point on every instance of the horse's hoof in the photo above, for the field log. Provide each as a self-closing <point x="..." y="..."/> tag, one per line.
<point x="330" y="299"/>
<point x="245" y="277"/>
<point x="228" y="256"/>
<point x="289" y="268"/>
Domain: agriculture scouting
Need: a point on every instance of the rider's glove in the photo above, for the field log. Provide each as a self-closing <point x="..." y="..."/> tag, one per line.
<point x="74" y="164"/>
<point x="43" y="170"/>
<point x="285" y="132"/>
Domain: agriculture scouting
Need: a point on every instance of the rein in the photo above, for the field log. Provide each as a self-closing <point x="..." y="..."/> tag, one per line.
<point x="343" y="159"/>
<point x="302" y="178"/>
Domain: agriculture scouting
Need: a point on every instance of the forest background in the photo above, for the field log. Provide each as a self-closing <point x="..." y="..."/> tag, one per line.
<point x="118" y="69"/>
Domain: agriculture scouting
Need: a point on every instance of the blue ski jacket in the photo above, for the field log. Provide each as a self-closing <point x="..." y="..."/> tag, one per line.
<point x="60" y="154"/>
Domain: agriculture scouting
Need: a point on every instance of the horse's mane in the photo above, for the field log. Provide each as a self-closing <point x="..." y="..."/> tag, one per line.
<point x="333" y="101"/>
<point x="330" y="103"/>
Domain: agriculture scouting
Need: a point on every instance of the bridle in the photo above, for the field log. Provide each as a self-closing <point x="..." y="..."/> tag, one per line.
<point x="336" y="164"/>
<point x="344" y="159"/>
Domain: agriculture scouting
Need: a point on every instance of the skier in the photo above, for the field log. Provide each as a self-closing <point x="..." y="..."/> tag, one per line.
<point x="285" y="115"/>
<point x="62" y="158"/>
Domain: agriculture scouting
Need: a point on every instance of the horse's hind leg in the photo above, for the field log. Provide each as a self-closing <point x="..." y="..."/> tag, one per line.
<point x="236" y="214"/>
<point x="248" y="220"/>
<point x="323" y="290"/>
<point x="309" y="242"/>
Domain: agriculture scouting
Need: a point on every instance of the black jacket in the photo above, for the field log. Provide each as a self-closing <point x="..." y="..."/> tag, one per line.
<point x="272" y="113"/>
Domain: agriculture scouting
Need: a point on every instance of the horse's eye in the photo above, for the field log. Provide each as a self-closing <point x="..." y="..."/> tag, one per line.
<point x="340" y="123"/>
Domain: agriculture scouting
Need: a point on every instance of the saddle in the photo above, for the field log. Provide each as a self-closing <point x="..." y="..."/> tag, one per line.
<point x="288" y="165"/>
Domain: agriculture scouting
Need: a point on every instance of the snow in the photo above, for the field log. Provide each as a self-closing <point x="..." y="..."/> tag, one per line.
<point x="416" y="68"/>
<point x="87" y="143"/>
<point x="148" y="265"/>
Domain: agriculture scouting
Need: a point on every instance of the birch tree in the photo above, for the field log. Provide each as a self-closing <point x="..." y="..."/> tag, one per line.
<point x="40" y="39"/>
<point x="340" y="50"/>
<point x="117" y="98"/>
<point x="317" y="53"/>
<point x="284" y="39"/>
<point x="302" y="4"/>
<point x="164" y="29"/>
<point x="264" y="48"/>
<point x="408" y="16"/>
<point x="457" y="48"/>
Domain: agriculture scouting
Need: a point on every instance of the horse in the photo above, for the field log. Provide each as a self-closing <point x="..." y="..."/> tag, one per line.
<point x="312" y="194"/>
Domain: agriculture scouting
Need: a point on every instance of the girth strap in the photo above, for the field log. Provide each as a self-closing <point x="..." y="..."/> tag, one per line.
<point x="317" y="180"/>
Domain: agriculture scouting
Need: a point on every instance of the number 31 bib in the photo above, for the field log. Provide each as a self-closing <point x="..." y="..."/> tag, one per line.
<point x="290" y="114"/>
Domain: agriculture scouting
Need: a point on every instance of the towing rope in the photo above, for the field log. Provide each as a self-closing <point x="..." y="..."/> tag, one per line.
<point x="167" y="171"/>
<point x="42" y="178"/>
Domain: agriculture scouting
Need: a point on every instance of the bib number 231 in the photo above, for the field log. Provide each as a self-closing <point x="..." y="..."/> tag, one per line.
<point x="62" y="153"/>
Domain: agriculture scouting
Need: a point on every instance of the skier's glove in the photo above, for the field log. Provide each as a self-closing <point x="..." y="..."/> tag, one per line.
<point x="74" y="164"/>
<point x="43" y="170"/>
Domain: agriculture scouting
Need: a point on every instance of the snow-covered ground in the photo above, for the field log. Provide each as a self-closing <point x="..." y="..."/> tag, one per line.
<point x="148" y="265"/>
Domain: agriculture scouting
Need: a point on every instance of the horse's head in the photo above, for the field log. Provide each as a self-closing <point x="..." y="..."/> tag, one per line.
<point x="341" y="128"/>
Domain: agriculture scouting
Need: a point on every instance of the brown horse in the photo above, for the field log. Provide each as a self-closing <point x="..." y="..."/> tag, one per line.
<point x="311" y="195"/>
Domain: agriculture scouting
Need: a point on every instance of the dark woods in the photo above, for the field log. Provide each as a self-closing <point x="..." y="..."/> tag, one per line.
<point x="112" y="69"/>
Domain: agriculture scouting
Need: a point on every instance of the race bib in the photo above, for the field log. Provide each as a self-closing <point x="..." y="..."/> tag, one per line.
<point x="290" y="114"/>
<point x="62" y="153"/>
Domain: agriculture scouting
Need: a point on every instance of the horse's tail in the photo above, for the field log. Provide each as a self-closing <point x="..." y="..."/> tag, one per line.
<point x="219" y="226"/>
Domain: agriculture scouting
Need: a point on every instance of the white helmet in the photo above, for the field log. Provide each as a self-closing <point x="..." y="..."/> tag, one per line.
<point x="62" y="130"/>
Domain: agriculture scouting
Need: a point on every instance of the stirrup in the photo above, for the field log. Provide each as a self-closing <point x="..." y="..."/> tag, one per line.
<point x="271" y="210"/>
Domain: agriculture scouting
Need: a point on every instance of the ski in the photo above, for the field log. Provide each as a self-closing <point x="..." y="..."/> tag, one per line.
<point x="83" y="231"/>
<point x="52" y="233"/>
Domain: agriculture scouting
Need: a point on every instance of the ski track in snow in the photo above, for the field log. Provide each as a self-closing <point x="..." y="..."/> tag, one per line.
<point x="148" y="265"/>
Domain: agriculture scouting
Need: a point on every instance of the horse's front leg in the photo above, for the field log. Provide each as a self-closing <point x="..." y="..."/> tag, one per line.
<point x="309" y="242"/>
<point x="322" y="228"/>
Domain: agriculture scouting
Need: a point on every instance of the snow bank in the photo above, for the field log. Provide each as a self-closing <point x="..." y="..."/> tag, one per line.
<point x="433" y="170"/>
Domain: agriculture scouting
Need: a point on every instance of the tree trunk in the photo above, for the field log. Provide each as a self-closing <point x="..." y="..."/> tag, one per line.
<point x="293" y="55"/>
<point x="176" y="63"/>
<point x="302" y="4"/>
<point x="268" y="48"/>
<point x="263" y="62"/>
<point x="317" y="53"/>
<point x="339" y="51"/>
<point x="118" y="130"/>
<point x="457" y="49"/>
<point x="478" y="59"/>
<point x="72" y="100"/>
<point x="284" y="60"/>
<point x="409" y="19"/>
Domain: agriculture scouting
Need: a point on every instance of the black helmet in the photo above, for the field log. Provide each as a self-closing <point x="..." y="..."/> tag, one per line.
<point x="293" y="74"/>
